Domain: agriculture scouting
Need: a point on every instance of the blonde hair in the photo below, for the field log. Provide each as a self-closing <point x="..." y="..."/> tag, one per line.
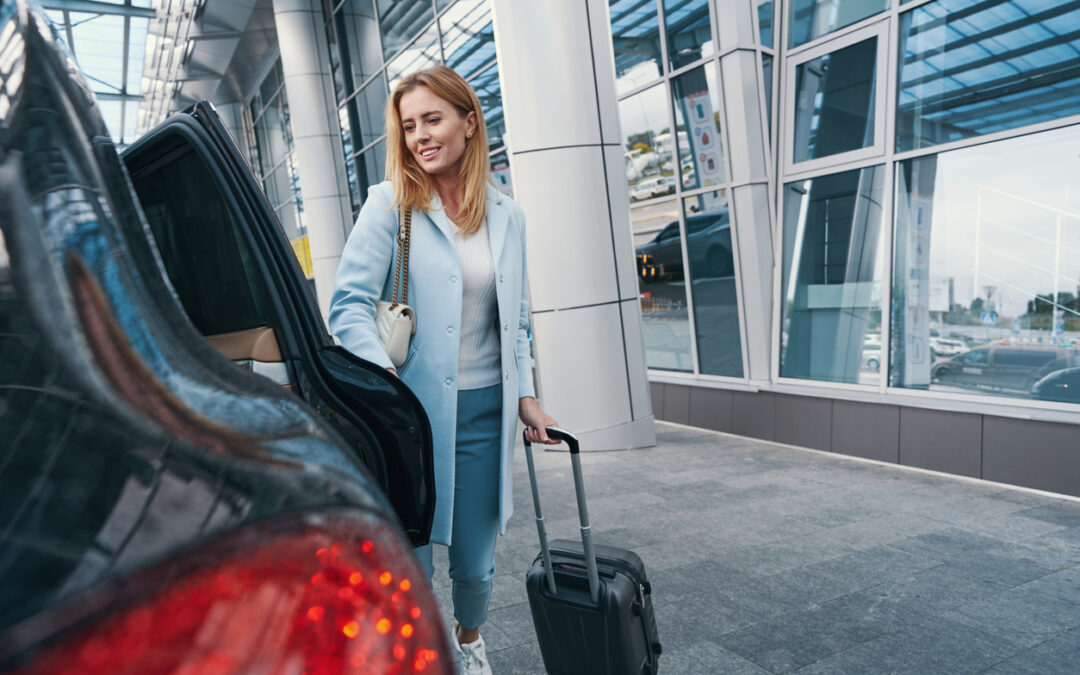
<point x="414" y="187"/>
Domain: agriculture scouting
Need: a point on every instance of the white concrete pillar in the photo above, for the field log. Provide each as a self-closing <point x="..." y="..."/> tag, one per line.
<point x="566" y="158"/>
<point x="305" y="62"/>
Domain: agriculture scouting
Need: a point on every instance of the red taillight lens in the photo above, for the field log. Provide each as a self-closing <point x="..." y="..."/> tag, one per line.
<point x="314" y="594"/>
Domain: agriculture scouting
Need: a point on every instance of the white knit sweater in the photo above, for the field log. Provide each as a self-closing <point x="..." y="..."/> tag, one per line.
<point x="478" y="349"/>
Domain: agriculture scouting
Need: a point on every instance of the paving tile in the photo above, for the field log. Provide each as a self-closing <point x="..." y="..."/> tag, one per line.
<point x="1064" y="513"/>
<point x="1023" y="618"/>
<point x="799" y="638"/>
<point x="707" y="658"/>
<point x="935" y="646"/>
<point x="945" y="543"/>
<point x="1063" y="585"/>
<point x="1057" y="655"/>
<point x="523" y="659"/>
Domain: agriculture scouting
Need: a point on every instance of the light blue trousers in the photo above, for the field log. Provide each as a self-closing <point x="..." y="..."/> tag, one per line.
<point x="475" y="524"/>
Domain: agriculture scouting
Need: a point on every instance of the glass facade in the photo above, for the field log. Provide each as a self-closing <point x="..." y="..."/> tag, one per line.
<point x="968" y="69"/>
<point x="413" y="34"/>
<point x="671" y="112"/>
<point x="986" y="275"/>
<point x="969" y="211"/>
<point x="271" y="152"/>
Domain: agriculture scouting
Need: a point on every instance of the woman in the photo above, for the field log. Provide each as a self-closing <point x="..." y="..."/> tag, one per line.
<point x="468" y="361"/>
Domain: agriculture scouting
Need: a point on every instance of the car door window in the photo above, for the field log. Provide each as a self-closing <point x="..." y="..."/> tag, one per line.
<point x="205" y="254"/>
<point x="977" y="357"/>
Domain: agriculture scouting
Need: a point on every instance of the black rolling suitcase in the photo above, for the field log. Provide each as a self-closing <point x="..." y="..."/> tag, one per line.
<point x="591" y="605"/>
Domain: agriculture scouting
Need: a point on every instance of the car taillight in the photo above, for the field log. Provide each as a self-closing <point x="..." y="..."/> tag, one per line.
<point x="322" y="594"/>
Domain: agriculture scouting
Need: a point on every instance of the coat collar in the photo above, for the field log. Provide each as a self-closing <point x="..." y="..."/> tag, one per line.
<point x="498" y="221"/>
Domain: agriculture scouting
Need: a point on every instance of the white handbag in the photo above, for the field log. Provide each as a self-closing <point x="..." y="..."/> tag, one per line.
<point x="395" y="320"/>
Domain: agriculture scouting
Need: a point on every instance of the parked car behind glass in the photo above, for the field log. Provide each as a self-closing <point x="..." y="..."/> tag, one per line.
<point x="1007" y="367"/>
<point x="163" y="510"/>
<point x="708" y="243"/>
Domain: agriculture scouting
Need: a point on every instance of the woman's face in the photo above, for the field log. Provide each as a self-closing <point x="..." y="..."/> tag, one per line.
<point x="435" y="132"/>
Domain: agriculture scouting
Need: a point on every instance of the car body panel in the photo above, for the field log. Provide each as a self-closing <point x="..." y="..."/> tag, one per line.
<point x="128" y="440"/>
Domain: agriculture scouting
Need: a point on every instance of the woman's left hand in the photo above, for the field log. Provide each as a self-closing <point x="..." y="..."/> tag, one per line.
<point x="536" y="421"/>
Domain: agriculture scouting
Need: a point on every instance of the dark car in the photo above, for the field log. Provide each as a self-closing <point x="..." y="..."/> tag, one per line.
<point x="1006" y="367"/>
<point x="161" y="509"/>
<point x="1060" y="385"/>
<point x="708" y="243"/>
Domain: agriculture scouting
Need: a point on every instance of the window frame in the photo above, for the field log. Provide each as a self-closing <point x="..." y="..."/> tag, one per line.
<point x="880" y="30"/>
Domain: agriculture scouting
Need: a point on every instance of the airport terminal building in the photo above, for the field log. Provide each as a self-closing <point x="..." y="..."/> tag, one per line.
<point x="848" y="225"/>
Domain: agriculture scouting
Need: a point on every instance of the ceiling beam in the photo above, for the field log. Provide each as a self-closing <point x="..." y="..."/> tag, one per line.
<point x="97" y="7"/>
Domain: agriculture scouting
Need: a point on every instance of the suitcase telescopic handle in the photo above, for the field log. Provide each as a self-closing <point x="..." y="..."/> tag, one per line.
<point x="583" y="512"/>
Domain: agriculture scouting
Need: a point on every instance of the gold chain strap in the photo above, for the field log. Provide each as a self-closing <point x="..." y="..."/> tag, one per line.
<point x="402" y="260"/>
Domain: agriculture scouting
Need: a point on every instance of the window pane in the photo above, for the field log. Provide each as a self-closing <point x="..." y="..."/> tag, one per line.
<point x="468" y="36"/>
<point x="370" y="109"/>
<point x="354" y="186"/>
<point x="987" y="268"/>
<point x="490" y="94"/>
<point x="765" y="21"/>
<point x="969" y="69"/>
<point x="372" y="167"/>
<point x="689" y="33"/>
<point x="401" y="20"/>
<point x="835" y="102"/>
<point x="661" y="283"/>
<point x="712" y="275"/>
<point x="357" y="47"/>
<point x="832" y="270"/>
<point x="424" y="53"/>
<point x="635" y="36"/>
<point x="500" y="173"/>
<point x="810" y="19"/>
<point x="648" y="144"/>
<point x="697" y="123"/>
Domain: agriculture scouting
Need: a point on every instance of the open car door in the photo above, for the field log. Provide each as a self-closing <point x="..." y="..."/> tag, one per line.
<point x="238" y="279"/>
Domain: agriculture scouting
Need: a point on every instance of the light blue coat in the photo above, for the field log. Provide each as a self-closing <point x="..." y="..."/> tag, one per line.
<point x="365" y="276"/>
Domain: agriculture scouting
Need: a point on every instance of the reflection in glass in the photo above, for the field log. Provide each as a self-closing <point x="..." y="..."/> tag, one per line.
<point x="468" y="36"/>
<point x="765" y="21"/>
<point x="424" y="53"/>
<point x="810" y="19"/>
<point x="662" y="286"/>
<point x="500" y="173"/>
<point x="689" y="32"/>
<point x="487" y="89"/>
<point x="354" y="43"/>
<point x="835" y="102"/>
<point x="400" y="21"/>
<point x="697" y="125"/>
<point x="712" y="276"/>
<point x="832" y="270"/>
<point x="371" y="109"/>
<point x="648" y="144"/>
<point x="970" y="69"/>
<point x="635" y="36"/>
<point x="986" y="293"/>
<point x="372" y="166"/>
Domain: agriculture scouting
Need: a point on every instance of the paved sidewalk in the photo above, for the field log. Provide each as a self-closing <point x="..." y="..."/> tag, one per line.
<point x="770" y="559"/>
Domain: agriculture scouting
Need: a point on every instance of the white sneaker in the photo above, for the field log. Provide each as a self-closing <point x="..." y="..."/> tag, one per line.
<point x="474" y="658"/>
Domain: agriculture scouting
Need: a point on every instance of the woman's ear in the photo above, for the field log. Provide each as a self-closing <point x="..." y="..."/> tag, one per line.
<point x="470" y="124"/>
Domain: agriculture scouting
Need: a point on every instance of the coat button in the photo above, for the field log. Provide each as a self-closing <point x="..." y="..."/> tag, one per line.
<point x="453" y="278"/>
<point x="506" y="375"/>
<point x="500" y="278"/>
<point x="448" y="381"/>
<point x="506" y="325"/>
<point x="450" y="329"/>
